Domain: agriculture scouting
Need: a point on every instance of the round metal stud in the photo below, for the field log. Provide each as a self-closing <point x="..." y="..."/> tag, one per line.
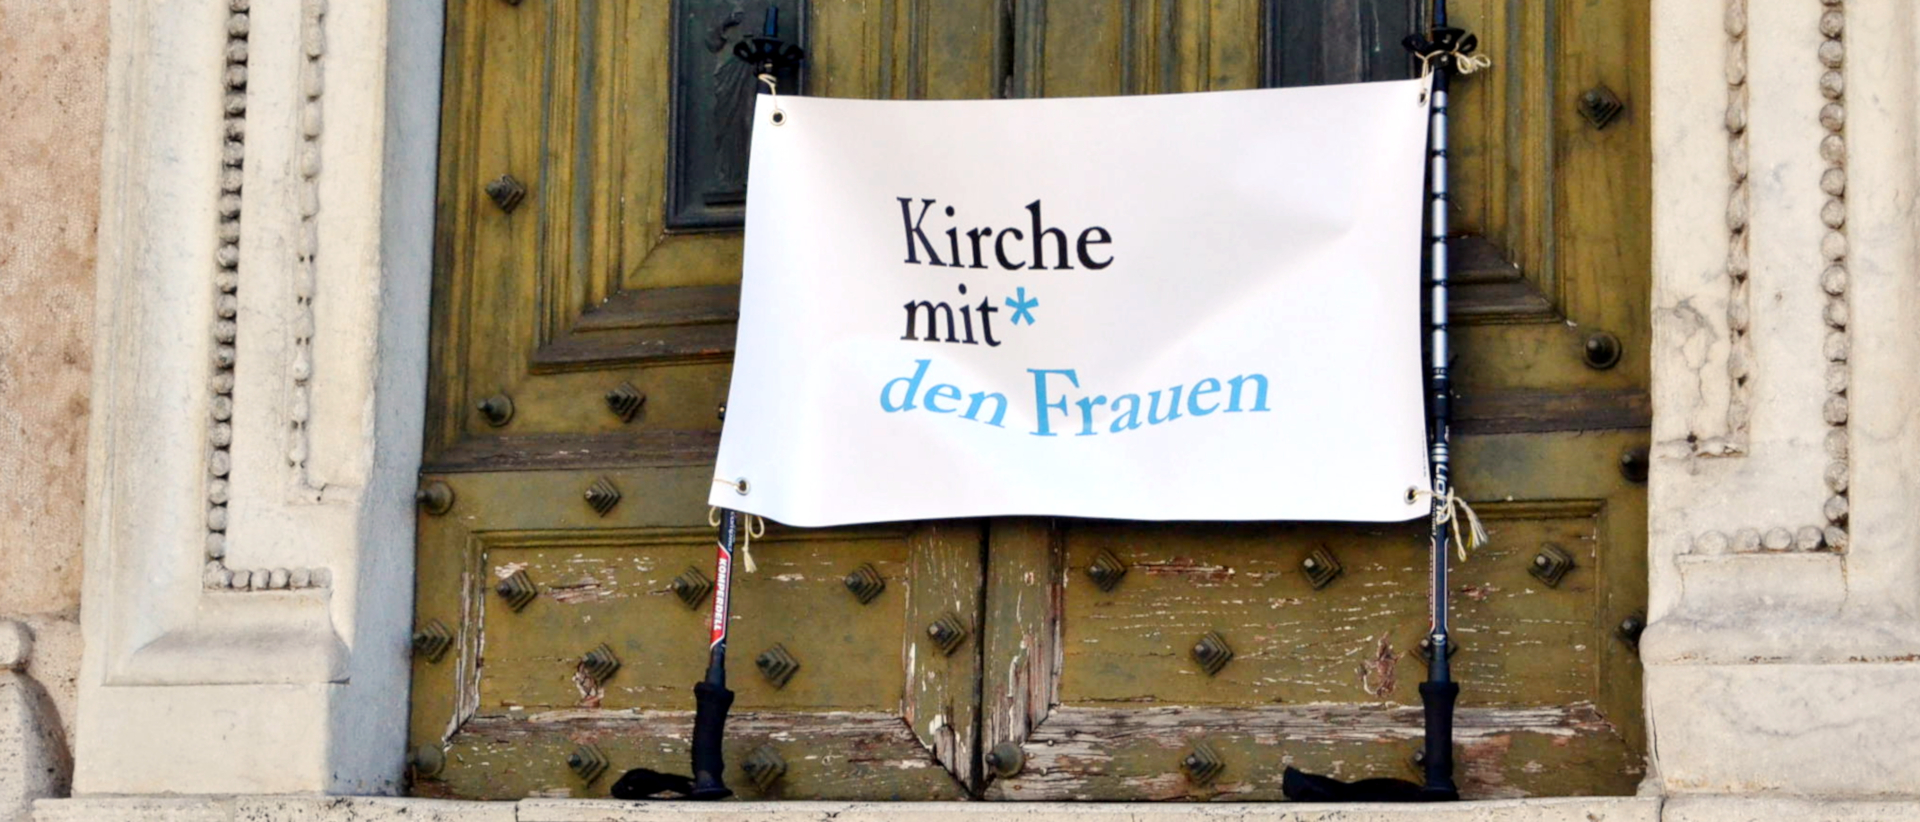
<point x="427" y="760"/>
<point x="435" y="497"/>
<point x="1601" y="351"/>
<point x="1634" y="464"/>
<point x="1006" y="759"/>
<point x="497" y="409"/>
<point x="1630" y="630"/>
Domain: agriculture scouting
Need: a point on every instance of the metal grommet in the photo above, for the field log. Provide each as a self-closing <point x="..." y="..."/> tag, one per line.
<point x="779" y="118"/>
<point x="740" y="486"/>
<point x="1413" y="495"/>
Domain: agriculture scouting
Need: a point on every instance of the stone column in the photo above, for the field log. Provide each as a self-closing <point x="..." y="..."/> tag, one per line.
<point x="1785" y="506"/>
<point x="33" y="753"/>
<point x="259" y="383"/>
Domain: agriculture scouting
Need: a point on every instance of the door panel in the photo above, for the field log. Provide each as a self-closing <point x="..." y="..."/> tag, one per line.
<point x="1551" y="209"/>
<point x="1325" y="678"/>
<point x="580" y="361"/>
<point x="517" y="692"/>
<point x="1108" y="691"/>
<point x="599" y="342"/>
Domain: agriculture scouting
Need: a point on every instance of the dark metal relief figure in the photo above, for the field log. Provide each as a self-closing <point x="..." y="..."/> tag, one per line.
<point x="713" y="98"/>
<point x="733" y="84"/>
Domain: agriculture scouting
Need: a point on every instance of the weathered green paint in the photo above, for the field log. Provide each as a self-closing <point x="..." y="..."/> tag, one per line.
<point x="836" y="755"/>
<point x="1096" y="753"/>
<point x="620" y="594"/>
<point x="581" y="290"/>
<point x="1522" y="643"/>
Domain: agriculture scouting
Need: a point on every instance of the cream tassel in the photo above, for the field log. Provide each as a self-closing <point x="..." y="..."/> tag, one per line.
<point x="1452" y="510"/>
<point x="753" y="526"/>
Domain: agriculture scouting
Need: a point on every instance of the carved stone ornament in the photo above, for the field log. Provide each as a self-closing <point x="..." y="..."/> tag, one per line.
<point x="1830" y="532"/>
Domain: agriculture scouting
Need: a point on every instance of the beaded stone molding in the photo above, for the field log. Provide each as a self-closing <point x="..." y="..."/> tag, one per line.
<point x="1833" y="280"/>
<point x="307" y="248"/>
<point x="1739" y="263"/>
<point x="227" y="302"/>
<point x="1832" y="534"/>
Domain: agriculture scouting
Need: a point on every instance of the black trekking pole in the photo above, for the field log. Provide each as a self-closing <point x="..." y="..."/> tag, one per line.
<point x="768" y="58"/>
<point x="711" y="698"/>
<point x="1441" y="50"/>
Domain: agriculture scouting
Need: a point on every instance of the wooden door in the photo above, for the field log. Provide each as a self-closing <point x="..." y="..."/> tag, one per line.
<point x="584" y="303"/>
<point x="1102" y="635"/>
<point x="584" y="309"/>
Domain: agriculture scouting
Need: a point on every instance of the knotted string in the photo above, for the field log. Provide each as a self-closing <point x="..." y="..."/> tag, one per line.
<point x="773" y="90"/>
<point x="1451" y="511"/>
<point x="756" y="526"/>
<point x="1466" y="63"/>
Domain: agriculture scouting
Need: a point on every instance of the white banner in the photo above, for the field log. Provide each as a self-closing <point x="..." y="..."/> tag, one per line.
<point x="1173" y="307"/>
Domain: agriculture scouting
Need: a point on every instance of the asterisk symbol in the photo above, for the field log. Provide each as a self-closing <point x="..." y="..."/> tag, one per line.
<point x="1023" y="307"/>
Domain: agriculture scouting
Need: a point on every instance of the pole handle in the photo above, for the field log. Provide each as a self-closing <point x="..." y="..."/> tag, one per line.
<point x="711" y="703"/>
<point x="1438" y="698"/>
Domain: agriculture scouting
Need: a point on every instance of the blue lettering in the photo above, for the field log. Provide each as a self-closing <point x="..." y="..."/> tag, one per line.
<point x="1259" y="398"/>
<point x="913" y="387"/>
<point x="1193" y="399"/>
<point x="1040" y="396"/>
<point x="1086" y="413"/>
<point x="1173" y="408"/>
<point x="1129" y="419"/>
<point x="942" y="391"/>
<point x="980" y="398"/>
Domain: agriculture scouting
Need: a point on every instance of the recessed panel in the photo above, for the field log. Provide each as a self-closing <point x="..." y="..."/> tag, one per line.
<point x="838" y="654"/>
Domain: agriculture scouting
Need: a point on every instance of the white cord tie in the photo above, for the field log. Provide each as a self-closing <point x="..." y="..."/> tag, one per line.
<point x="1466" y="63"/>
<point x="1451" y="510"/>
<point x="773" y="90"/>
<point x="755" y="526"/>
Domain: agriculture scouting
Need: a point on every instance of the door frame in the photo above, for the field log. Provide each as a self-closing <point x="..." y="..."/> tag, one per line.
<point x="189" y="689"/>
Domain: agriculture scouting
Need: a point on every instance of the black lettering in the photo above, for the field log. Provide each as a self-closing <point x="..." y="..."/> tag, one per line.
<point x="1087" y="259"/>
<point x="986" y="321"/>
<point x="974" y="235"/>
<point x="933" y="321"/>
<point x="1000" y="248"/>
<point x="966" y="311"/>
<point x="913" y="230"/>
<point x="953" y="242"/>
<point x="1039" y="247"/>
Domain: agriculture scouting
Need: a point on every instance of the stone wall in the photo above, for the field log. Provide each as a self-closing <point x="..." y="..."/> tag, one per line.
<point x="1785" y="559"/>
<point x="1785" y="545"/>
<point x="53" y="56"/>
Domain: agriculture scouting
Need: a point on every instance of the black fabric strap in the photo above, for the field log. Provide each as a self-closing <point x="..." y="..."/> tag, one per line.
<point x="643" y="783"/>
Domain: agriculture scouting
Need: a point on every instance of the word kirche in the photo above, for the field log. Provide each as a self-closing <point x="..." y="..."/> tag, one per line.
<point x="978" y="241"/>
<point x="918" y="241"/>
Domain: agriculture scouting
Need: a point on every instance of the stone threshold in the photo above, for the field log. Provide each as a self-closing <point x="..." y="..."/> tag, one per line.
<point x="384" y="809"/>
<point x="380" y="809"/>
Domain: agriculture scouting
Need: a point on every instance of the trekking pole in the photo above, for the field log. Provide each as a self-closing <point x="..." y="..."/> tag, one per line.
<point x="1439" y="692"/>
<point x="1443" y="50"/>
<point x="769" y="57"/>
<point x="711" y="697"/>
